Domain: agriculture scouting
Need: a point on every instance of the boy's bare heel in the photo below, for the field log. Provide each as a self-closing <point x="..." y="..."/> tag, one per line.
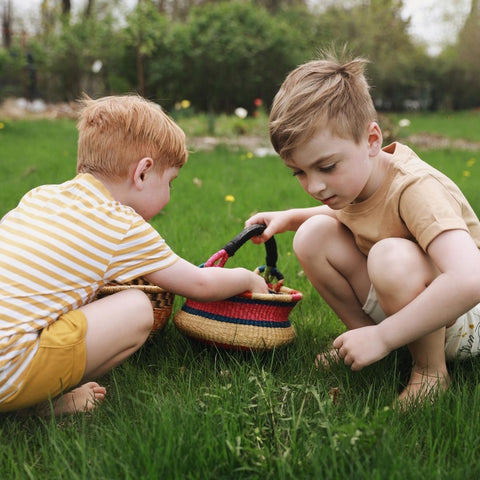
<point x="424" y="384"/>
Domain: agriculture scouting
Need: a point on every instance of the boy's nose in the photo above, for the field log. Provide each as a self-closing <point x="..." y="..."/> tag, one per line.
<point x="315" y="186"/>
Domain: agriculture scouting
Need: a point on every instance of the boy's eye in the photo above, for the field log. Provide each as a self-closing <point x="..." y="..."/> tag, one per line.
<point x="296" y="173"/>
<point x="327" y="168"/>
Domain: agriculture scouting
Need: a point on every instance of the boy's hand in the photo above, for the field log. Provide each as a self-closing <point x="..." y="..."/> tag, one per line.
<point x="258" y="284"/>
<point x="276" y="222"/>
<point x="284" y="220"/>
<point x="361" y="347"/>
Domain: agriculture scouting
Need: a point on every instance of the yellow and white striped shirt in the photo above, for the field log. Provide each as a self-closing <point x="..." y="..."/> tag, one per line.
<point x="57" y="248"/>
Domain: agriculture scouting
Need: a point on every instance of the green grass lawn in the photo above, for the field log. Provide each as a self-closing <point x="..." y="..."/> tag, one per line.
<point x="463" y="124"/>
<point x="178" y="409"/>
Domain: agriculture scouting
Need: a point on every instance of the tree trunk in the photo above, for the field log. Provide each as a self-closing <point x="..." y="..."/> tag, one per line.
<point x="7" y="24"/>
<point x="66" y="7"/>
<point x="140" y="72"/>
<point x="89" y="8"/>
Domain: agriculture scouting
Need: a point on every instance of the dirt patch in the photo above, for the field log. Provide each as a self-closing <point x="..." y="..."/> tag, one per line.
<point x="259" y="146"/>
<point x="428" y="141"/>
<point x="19" y="108"/>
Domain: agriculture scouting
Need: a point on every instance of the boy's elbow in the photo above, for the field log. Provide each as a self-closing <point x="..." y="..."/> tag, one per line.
<point x="470" y="282"/>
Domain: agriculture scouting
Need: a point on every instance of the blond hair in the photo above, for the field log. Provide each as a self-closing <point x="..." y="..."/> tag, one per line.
<point x="117" y="131"/>
<point x="327" y="92"/>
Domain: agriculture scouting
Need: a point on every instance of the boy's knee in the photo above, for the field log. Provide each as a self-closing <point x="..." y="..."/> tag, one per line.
<point x="143" y="308"/>
<point x="313" y="232"/>
<point x="394" y="260"/>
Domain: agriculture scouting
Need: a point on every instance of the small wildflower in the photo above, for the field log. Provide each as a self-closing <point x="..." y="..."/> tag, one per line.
<point x="258" y="102"/>
<point x="240" y="112"/>
<point x="471" y="162"/>
<point x="263" y="152"/>
<point x="185" y="104"/>
<point x="249" y="155"/>
<point x="97" y="66"/>
<point x="466" y="173"/>
<point x="197" y="182"/>
<point x="404" y="122"/>
<point x="229" y="199"/>
<point x="2" y="125"/>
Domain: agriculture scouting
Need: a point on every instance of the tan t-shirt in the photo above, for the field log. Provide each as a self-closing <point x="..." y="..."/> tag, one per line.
<point x="415" y="201"/>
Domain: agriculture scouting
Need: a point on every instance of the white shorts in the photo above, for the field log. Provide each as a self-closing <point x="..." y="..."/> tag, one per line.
<point x="462" y="339"/>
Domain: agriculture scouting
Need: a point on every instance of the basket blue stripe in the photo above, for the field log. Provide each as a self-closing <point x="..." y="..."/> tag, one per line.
<point x="238" y="321"/>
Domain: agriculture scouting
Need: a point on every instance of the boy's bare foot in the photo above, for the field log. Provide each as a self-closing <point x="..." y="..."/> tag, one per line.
<point x="80" y="399"/>
<point x="424" y="384"/>
<point x="327" y="358"/>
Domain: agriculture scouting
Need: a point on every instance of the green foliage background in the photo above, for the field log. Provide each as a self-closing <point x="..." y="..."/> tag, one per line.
<point x="220" y="55"/>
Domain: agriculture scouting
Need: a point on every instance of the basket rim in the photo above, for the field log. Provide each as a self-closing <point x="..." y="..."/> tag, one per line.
<point x="146" y="288"/>
<point x="284" y="294"/>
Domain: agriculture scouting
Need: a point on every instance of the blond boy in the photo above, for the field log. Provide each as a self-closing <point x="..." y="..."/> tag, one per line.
<point x="63" y="242"/>
<point x="394" y="249"/>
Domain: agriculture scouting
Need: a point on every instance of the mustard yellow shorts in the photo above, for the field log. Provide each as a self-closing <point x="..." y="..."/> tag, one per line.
<point x="58" y="365"/>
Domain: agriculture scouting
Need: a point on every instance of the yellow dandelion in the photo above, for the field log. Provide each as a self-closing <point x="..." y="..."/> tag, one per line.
<point x="229" y="198"/>
<point x="466" y="173"/>
<point x="2" y="125"/>
<point x="471" y="162"/>
<point x="185" y="103"/>
<point x="249" y="155"/>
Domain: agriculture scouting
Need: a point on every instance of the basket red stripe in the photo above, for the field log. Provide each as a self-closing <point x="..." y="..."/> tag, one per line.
<point x="263" y="311"/>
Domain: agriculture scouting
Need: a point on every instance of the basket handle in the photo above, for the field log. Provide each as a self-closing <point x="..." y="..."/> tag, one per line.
<point x="246" y="234"/>
<point x="220" y="258"/>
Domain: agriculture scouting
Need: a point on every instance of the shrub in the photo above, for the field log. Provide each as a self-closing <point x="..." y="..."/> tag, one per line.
<point x="228" y="54"/>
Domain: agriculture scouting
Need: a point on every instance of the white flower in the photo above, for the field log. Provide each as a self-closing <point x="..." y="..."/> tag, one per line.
<point x="404" y="122"/>
<point x="263" y="152"/>
<point x="241" y="112"/>
<point x="97" y="66"/>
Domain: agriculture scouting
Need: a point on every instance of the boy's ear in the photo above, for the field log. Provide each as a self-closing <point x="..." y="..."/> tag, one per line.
<point x="143" y="166"/>
<point x="375" y="138"/>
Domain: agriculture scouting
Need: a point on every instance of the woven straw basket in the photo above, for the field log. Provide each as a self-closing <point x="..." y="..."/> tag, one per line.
<point x="162" y="301"/>
<point x="250" y="321"/>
